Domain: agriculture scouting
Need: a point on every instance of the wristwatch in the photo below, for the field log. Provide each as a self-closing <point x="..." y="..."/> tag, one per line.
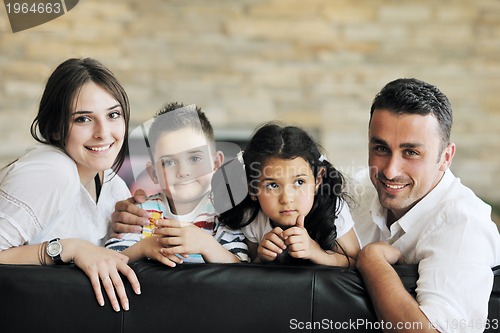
<point x="54" y="249"/>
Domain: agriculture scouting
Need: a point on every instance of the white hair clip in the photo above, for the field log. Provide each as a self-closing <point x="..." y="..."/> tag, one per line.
<point x="239" y="157"/>
<point x="323" y="158"/>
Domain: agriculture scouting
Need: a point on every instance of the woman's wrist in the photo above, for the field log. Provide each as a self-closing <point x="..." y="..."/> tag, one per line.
<point x="69" y="249"/>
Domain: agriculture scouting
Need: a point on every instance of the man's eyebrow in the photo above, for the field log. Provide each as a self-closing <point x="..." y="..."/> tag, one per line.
<point x="411" y="145"/>
<point x="378" y="141"/>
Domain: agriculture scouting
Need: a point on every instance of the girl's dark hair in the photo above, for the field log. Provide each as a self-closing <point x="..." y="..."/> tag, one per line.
<point x="52" y="123"/>
<point x="288" y="142"/>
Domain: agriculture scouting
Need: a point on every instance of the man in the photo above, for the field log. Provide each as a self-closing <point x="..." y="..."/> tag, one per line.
<point x="420" y="213"/>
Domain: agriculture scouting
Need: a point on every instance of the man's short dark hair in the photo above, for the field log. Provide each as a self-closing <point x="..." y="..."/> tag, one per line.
<point x="413" y="96"/>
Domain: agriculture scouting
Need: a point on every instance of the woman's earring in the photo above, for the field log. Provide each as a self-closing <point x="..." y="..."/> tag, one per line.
<point x="253" y="197"/>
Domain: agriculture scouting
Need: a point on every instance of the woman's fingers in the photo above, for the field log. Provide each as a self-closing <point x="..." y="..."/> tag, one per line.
<point x="96" y="285"/>
<point x="109" y="286"/>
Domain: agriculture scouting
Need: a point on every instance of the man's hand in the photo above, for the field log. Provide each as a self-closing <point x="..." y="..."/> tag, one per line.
<point x="380" y="251"/>
<point x="129" y="218"/>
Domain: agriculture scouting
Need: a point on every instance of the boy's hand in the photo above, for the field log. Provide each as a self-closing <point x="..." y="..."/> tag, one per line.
<point x="271" y="245"/>
<point x="182" y="238"/>
<point x="151" y="247"/>
<point x="300" y="245"/>
<point x="129" y="218"/>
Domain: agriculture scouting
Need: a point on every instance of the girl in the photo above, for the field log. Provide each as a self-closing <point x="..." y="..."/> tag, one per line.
<point x="56" y="200"/>
<point x="295" y="206"/>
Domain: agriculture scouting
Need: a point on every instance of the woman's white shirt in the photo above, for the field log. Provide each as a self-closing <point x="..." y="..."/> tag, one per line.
<point x="41" y="198"/>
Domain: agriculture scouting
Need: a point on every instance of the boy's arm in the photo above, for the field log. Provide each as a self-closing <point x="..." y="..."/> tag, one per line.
<point x="216" y="253"/>
<point x="252" y="250"/>
<point x="233" y="240"/>
<point x="187" y="238"/>
<point x="151" y="248"/>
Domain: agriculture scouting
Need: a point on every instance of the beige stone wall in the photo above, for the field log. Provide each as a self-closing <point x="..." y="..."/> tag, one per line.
<point x="315" y="63"/>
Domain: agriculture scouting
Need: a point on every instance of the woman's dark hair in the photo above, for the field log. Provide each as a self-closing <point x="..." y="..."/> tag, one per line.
<point x="288" y="142"/>
<point x="52" y="123"/>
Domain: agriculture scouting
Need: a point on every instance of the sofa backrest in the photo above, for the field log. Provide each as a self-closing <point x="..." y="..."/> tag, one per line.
<point x="193" y="298"/>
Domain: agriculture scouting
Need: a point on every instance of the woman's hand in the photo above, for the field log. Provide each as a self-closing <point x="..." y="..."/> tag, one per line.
<point x="104" y="266"/>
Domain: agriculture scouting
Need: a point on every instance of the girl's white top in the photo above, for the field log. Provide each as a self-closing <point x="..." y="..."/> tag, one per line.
<point x="262" y="225"/>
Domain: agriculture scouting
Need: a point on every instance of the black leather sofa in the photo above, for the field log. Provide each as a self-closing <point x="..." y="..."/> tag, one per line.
<point x="200" y="298"/>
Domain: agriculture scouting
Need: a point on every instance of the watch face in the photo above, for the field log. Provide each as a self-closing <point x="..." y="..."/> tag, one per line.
<point x="54" y="248"/>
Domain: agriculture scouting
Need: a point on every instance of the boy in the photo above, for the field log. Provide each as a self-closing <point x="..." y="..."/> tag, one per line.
<point x="184" y="228"/>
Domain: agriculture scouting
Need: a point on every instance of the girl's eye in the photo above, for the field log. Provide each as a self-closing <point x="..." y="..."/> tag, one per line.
<point x="299" y="182"/>
<point x="115" y="115"/>
<point x="271" y="186"/>
<point x="82" y="119"/>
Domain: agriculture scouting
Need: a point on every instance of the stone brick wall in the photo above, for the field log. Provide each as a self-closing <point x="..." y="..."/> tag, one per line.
<point x="315" y="63"/>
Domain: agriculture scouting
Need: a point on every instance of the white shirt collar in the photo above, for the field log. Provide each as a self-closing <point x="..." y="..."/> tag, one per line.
<point x="408" y="221"/>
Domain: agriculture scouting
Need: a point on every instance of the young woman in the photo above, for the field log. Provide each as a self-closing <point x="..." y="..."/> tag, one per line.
<point x="295" y="207"/>
<point x="56" y="200"/>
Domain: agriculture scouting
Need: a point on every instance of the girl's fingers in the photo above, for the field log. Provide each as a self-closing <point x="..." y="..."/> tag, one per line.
<point x="276" y="240"/>
<point x="272" y="247"/>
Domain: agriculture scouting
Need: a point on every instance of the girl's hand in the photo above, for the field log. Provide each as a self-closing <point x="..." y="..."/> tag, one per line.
<point x="104" y="266"/>
<point x="182" y="238"/>
<point x="300" y="245"/>
<point x="271" y="245"/>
